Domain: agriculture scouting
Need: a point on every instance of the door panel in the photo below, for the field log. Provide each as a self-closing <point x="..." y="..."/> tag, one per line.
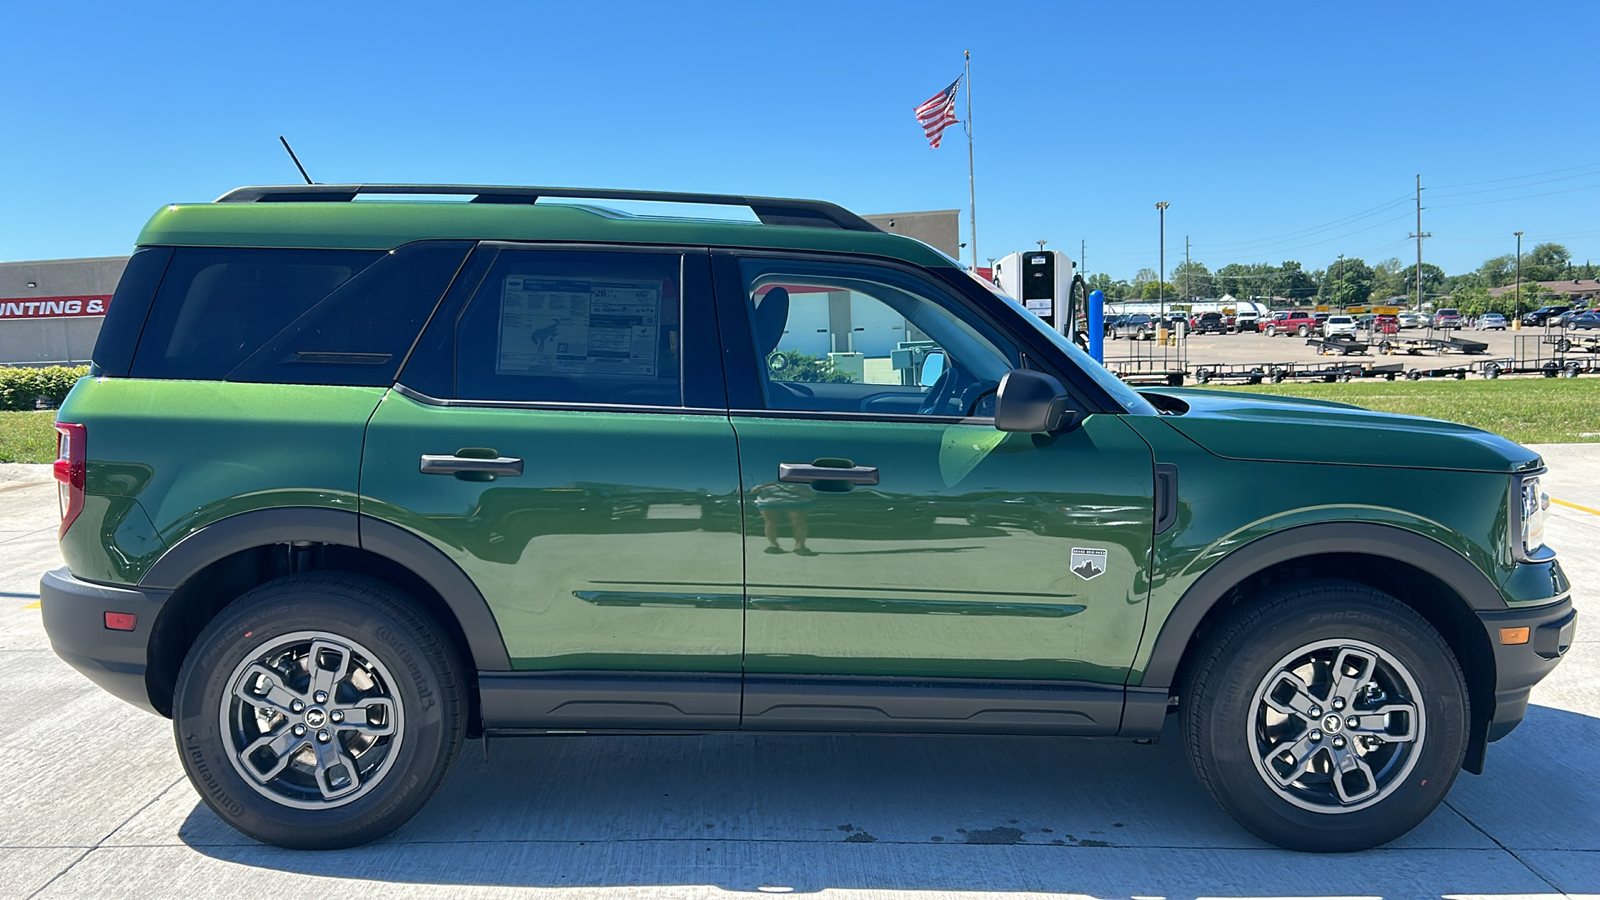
<point x="958" y="563"/>
<point x="617" y="548"/>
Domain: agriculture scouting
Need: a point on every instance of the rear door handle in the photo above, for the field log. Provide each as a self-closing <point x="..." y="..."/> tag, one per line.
<point x="450" y="464"/>
<point x="810" y="473"/>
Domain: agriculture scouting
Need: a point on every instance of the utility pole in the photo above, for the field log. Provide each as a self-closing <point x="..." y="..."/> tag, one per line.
<point x="1187" y="294"/>
<point x="1161" y="279"/>
<point x="1419" y="235"/>
<point x="1517" y="316"/>
<point x="1338" y="283"/>
<point x="1083" y="259"/>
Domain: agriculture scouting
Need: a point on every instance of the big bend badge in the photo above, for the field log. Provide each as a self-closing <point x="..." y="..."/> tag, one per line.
<point x="1088" y="563"/>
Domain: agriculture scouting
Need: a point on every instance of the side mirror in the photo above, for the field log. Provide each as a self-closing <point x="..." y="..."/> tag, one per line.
<point x="932" y="368"/>
<point x="1030" y="401"/>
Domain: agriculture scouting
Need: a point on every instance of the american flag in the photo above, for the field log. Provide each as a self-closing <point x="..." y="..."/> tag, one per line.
<point x="938" y="113"/>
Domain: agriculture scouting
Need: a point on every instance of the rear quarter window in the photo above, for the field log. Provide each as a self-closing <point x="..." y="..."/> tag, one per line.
<point x="292" y="316"/>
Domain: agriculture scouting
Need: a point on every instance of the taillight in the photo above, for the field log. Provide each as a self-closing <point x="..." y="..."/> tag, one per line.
<point x="71" y="465"/>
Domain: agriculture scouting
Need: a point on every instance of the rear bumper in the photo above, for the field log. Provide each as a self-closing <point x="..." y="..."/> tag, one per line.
<point x="74" y="617"/>
<point x="1518" y="667"/>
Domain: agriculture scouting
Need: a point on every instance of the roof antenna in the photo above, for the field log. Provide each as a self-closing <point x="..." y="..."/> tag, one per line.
<point x="296" y="160"/>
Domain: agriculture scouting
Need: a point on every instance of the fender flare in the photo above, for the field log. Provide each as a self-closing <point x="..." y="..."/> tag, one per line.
<point x="347" y="528"/>
<point x="1387" y="541"/>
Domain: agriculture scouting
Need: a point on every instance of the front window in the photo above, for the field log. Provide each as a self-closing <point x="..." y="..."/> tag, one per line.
<point x="846" y="337"/>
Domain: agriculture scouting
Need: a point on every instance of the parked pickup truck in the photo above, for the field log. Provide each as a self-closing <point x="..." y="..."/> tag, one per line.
<point x="1292" y="322"/>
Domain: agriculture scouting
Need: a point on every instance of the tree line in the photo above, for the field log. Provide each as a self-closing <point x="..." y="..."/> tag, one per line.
<point x="1352" y="281"/>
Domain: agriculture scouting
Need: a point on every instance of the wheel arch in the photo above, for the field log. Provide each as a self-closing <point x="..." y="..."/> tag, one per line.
<point x="1441" y="585"/>
<point x="211" y="567"/>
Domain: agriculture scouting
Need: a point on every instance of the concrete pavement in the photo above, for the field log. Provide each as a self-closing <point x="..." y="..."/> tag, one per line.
<point x="93" y="802"/>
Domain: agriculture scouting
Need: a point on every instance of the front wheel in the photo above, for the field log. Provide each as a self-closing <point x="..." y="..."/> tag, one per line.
<point x="319" y="711"/>
<point x="1328" y="717"/>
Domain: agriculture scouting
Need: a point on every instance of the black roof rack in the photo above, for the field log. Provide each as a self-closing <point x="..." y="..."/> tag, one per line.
<point x="770" y="210"/>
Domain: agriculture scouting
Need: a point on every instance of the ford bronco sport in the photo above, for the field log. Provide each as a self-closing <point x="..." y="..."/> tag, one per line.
<point x="350" y="482"/>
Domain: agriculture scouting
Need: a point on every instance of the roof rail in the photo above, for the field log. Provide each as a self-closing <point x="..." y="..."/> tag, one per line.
<point x="770" y="210"/>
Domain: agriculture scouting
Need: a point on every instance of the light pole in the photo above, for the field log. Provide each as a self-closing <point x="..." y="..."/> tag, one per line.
<point x="1516" y="317"/>
<point x="1041" y="244"/>
<point x="1161" y="275"/>
<point x="1338" y="284"/>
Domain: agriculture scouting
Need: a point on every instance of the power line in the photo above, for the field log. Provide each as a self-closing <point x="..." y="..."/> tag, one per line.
<point x="1587" y="187"/>
<point x="1517" y="177"/>
<point x="1515" y="187"/>
<point x="1306" y="232"/>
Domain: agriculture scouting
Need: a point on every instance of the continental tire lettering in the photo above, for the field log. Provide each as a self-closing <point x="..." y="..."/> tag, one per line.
<point x="386" y="635"/>
<point x="202" y="771"/>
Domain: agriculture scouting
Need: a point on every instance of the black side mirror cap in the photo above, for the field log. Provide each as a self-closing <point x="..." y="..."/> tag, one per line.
<point x="1031" y="402"/>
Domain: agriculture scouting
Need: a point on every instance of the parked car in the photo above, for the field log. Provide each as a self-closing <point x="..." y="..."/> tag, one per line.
<point x="1339" y="326"/>
<point x="354" y="481"/>
<point x="1447" y="318"/>
<point x="1491" y="322"/>
<point x="1411" y="320"/>
<point x="1543" y="313"/>
<point x="1384" y="324"/>
<point x="1294" y="321"/>
<point x="1209" y="323"/>
<point x="1247" y="320"/>
<point x="1565" y="319"/>
<point x="1139" y="327"/>
<point x="1585" y="322"/>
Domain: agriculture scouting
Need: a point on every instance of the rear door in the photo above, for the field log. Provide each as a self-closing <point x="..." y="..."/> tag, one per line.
<point x="561" y="433"/>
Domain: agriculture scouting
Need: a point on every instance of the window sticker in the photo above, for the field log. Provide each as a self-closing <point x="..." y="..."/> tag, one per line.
<point x="578" y="326"/>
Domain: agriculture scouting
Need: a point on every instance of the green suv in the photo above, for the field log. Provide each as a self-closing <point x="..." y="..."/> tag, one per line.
<point x="351" y="482"/>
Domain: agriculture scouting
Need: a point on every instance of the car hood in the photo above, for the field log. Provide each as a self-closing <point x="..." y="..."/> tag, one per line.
<point x="1245" y="426"/>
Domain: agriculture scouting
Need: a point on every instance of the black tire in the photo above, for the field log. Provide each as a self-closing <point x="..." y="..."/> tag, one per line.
<point x="1272" y="331"/>
<point x="1304" y="331"/>
<point x="1226" y="714"/>
<point x="413" y="680"/>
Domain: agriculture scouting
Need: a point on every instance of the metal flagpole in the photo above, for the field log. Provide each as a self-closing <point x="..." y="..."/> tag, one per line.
<point x="972" y="190"/>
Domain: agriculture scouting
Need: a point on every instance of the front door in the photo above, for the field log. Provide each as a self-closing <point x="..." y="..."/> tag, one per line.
<point x="909" y="567"/>
<point x="558" y="436"/>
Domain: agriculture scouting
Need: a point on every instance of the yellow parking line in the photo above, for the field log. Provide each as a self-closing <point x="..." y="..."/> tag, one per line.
<point x="1592" y="512"/>
<point x="33" y="605"/>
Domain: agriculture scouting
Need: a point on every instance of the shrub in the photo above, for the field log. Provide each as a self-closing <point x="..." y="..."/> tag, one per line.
<point x="20" y="388"/>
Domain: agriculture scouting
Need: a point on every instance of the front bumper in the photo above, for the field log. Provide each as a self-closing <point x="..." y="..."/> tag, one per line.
<point x="1518" y="667"/>
<point x="74" y="617"/>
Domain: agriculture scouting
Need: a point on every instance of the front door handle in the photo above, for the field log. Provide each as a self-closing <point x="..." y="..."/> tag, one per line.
<point x="811" y="473"/>
<point x="450" y="464"/>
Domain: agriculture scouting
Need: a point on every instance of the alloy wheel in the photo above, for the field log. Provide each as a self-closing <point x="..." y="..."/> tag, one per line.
<point x="311" y="720"/>
<point x="1336" y="726"/>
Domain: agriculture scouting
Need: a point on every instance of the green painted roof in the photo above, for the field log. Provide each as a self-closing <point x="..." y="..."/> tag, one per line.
<point x="388" y="224"/>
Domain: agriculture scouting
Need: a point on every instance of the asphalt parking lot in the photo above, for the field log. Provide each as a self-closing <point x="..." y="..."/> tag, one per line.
<point x="93" y="802"/>
<point x="1253" y="347"/>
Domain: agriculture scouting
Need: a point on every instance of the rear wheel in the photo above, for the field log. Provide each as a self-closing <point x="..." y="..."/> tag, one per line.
<point x="1328" y="717"/>
<point x="1272" y="331"/>
<point x="319" y="711"/>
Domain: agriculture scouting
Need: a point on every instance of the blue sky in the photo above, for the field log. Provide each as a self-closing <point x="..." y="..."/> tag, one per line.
<point x="1276" y="131"/>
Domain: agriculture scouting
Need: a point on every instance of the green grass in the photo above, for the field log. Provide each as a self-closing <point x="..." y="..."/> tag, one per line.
<point x="1526" y="410"/>
<point x="28" y="437"/>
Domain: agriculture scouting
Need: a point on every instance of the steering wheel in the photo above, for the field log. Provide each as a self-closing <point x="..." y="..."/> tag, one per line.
<point x="939" y="395"/>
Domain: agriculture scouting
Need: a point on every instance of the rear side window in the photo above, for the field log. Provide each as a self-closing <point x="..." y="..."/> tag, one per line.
<point x="217" y="306"/>
<point x="573" y="327"/>
<point x="293" y="316"/>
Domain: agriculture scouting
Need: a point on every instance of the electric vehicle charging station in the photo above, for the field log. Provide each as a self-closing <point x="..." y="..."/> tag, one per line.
<point x="1041" y="280"/>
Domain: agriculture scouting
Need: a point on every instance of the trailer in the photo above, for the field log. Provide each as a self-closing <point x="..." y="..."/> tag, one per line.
<point x="1463" y="346"/>
<point x="1242" y="373"/>
<point x="1344" y="346"/>
<point x="1457" y="372"/>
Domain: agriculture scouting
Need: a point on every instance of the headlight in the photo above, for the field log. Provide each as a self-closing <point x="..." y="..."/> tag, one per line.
<point x="1532" y="505"/>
